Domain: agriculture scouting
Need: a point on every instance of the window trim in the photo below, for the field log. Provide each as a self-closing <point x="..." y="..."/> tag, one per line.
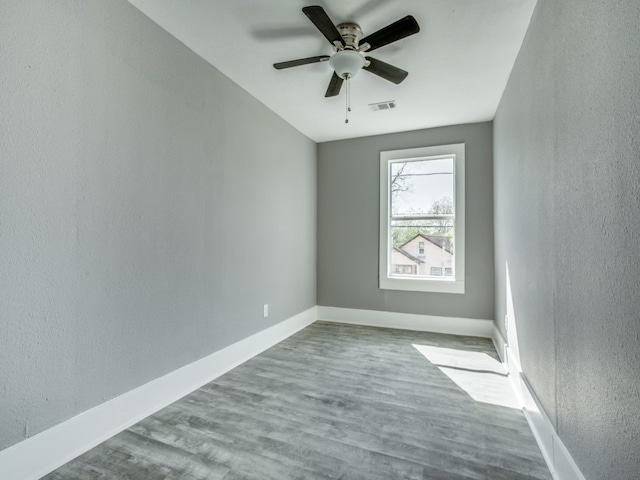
<point x="453" y="284"/>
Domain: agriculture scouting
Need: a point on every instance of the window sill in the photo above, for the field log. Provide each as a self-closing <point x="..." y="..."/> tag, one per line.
<point x="422" y="285"/>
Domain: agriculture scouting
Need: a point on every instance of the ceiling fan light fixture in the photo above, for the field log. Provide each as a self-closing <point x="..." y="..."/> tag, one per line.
<point x="350" y="45"/>
<point x="347" y="63"/>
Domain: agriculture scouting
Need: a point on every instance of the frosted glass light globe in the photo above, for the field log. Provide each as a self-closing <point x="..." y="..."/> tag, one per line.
<point x="347" y="62"/>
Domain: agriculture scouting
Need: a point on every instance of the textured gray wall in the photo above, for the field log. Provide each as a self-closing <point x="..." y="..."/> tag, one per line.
<point x="148" y="208"/>
<point x="348" y="218"/>
<point x="567" y="223"/>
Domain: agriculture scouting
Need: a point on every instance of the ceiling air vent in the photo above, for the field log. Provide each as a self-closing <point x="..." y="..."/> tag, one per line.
<point x="383" y="105"/>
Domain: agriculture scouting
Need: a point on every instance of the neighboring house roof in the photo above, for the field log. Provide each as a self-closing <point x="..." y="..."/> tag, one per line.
<point x="408" y="255"/>
<point x="439" y="241"/>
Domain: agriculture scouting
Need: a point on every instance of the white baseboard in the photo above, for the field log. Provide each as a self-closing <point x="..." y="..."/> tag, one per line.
<point x="408" y="321"/>
<point x="514" y="370"/>
<point x="499" y="343"/>
<point x="558" y="458"/>
<point x="43" y="453"/>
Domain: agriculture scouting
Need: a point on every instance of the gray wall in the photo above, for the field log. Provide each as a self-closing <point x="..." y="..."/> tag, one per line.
<point x="567" y="223"/>
<point x="348" y="218"/>
<point x="148" y="208"/>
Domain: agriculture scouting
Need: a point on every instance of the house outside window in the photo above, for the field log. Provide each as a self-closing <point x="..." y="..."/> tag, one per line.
<point x="405" y="269"/>
<point x="422" y="219"/>
<point x="436" y="271"/>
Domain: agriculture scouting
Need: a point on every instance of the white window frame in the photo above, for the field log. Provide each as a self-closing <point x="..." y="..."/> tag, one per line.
<point x="444" y="284"/>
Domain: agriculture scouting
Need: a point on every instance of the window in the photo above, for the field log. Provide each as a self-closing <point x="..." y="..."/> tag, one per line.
<point x="436" y="271"/>
<point x="404" y="269"/>
<point x="422" y="219"/>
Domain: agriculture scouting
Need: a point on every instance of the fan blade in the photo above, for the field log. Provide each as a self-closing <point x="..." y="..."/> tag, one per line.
<point x="335" y="85"/>
<point x="321" y="20"/>
<point x="302" y="61"/>
<point x="392" y="33"/>
<point x="386" y="71"/>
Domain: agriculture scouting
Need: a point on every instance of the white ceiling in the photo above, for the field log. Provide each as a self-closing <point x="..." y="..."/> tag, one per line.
<point x="458" y="63"/>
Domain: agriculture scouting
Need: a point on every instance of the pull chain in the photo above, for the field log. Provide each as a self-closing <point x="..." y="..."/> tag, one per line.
<point x="348" y="99"/>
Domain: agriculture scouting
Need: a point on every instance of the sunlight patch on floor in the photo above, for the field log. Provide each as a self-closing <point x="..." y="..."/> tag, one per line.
<point x="482" y="377"/>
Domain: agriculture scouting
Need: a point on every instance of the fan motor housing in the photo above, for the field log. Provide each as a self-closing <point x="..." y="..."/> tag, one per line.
<point x="351" y="33"/>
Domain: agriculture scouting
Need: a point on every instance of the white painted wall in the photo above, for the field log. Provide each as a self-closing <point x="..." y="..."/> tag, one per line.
<point x="567" y="226"/>
<point x="349" y="219"/>
<point x="133" y="179"/>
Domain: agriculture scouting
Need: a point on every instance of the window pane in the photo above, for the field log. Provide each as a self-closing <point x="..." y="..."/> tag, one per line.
<point x="422" y="248"/>
<point x="422" y="218"/>
<point x="422" y="187"/>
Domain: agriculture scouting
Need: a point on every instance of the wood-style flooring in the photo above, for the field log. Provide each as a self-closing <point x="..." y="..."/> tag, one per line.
<point x="335" y="402"/>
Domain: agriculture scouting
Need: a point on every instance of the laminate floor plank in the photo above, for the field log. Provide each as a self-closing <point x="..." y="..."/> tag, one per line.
<point x="443" y="413"/>
<point x="335" y="402"/>
<point x="367" y="434"/>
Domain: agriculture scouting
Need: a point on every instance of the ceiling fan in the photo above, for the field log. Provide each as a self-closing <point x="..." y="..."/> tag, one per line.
<point x="350" y="46"/>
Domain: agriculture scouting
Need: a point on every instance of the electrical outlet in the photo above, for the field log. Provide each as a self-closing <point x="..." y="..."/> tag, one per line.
<point x="265" y="310"/>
